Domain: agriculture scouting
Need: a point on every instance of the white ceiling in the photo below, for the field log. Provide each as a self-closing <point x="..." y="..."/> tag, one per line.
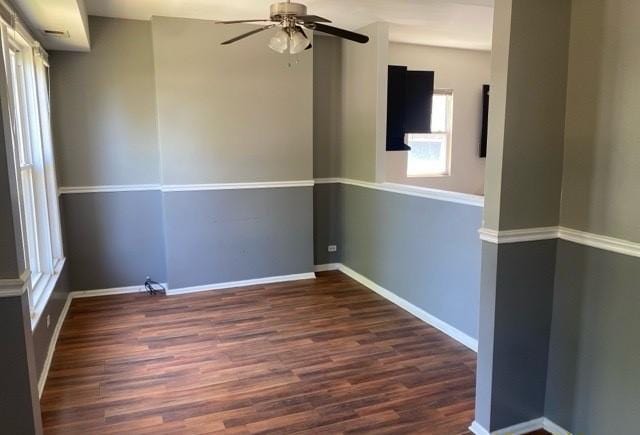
<point x="448" y="23"/>
<point x="68" y="16"/>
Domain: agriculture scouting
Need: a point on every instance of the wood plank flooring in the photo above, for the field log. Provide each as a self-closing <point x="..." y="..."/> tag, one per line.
<point x="315" y="356"/>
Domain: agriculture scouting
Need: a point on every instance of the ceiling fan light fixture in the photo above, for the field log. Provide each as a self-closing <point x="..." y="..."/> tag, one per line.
<point x="291" y="18"/>
<point x="299" y="42"/>
<point x="280" y="41"/>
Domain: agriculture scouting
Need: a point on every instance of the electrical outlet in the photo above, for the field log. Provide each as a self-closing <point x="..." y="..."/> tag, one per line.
<point x="332" y="248"/>
<point x="48" y="320"/>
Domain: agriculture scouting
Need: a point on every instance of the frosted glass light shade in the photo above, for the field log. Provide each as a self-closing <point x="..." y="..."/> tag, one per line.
<point x="298" y="42"/>
<point x="280" y="41"/>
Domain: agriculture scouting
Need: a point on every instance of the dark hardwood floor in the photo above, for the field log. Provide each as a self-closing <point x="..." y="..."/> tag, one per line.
<point x="315" y="356"/>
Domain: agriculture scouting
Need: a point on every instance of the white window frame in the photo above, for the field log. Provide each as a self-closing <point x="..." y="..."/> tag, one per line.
<point x="448" y="132"/>
<point x="26" y="109"/>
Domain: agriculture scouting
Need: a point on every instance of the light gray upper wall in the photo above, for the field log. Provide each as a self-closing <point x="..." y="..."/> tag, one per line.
<point x="237" y="113"/>
<point x="327" y="106"/>
<point x="104" y="107"/>
<point x="529" y="82"/>
<point x="535" y="110"/>
<point x="602" y="134"/>
<point x="464" y="72"/>
<point x="363" y="105"/>
<point x="497" y="112"/>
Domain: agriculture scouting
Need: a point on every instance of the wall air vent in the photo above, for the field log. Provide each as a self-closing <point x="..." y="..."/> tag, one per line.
<point x="57" y="33"/>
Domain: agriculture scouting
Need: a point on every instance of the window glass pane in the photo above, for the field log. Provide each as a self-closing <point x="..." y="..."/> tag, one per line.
<point x="439" y="113"/>
<point x="42" y="85"/>
<point x="30" y="232"/>
<point x="24" y="152"/>
<point x="428" y="155"/>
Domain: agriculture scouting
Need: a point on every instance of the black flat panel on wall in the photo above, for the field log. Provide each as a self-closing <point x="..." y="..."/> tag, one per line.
<point x="396" y="90"/>
<point x="485" y="120"/>
<point x="418" y="101"/>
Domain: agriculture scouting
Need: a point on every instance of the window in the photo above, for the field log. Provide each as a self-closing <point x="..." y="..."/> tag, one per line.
<point x="28" y="121"/>
<point x="430" y="153"/>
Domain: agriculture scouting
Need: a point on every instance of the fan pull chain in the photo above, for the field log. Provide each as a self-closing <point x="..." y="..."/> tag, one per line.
<point x="297" y="61"/>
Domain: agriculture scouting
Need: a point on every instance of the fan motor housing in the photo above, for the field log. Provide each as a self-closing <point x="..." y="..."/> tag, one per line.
<point x="282" y="10"/>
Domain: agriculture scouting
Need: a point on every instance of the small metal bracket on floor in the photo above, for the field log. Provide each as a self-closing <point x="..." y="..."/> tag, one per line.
<point x="154" y="287"/>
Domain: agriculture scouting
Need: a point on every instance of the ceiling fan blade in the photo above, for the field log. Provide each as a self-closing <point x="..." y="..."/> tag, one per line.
<point x="346" y="34"/>
<point x="244" y="35"/>
<point x="312" y="19"/>
<point x="240" y="21"/>
<point x="310" y="46"/>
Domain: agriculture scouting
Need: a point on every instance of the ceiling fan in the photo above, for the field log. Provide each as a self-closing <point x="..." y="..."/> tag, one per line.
<point x="291" y="19"/>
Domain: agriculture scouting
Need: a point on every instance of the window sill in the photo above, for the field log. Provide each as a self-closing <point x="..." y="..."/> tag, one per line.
<point x="45" y="286"/>
<point x="430" y="176"/>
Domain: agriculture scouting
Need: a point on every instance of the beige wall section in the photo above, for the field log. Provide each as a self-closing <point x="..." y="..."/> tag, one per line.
<point x="103" y="107"/>
<point x="497" y="112"/>
<point x="236" y="113"/>
<point x="464" y="72"/>
<point x="382" y="70"/>
<point x="534" y="128"/>
<point x="601" y="184"/>
<point x="532" y="147"/>
<point x="363" y="105"/>
<point x="327" y="109"/>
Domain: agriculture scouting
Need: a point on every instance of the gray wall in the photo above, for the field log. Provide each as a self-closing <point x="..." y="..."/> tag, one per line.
<point x="19" y="405"/>
<point x="42" y="334"/>
<point x="594" y="357"/>
<point x="104" y="107"/>
<point x="327" y="106"/>
<point x="486" y="326"/>
<point x="327" y="223"/>
<point x="235" y="113"/>
<point x="573" y="305"/>
<point x="229" y="114"/>
<point x="395" y="240"/>
<point x="522" y="324"/>
<point x="114" y="239"/>
<point x="593" y="385"/>
<point x="8" y="251"/>
<point x="105" y="133"/>
<point x="515" y="323"/>
<point x="223" y="114"/>
<point x="523" y="190"/>
<point x="602" y="155"/>
<point x="425" y="251"/>
<point x="231" y="235"/>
